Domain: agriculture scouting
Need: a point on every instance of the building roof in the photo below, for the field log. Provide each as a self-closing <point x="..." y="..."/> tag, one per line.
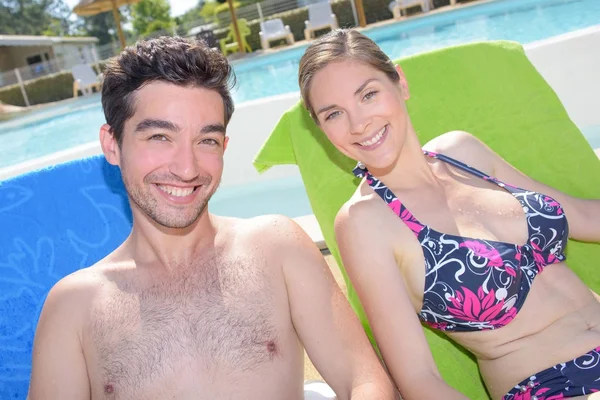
<point x="27" y="40"/>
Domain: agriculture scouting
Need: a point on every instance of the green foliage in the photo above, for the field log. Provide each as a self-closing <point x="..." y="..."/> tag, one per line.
<point x="34" y="17"/>
<point x="156" y="26"/>
<point x="246" y="2"/>
<point x="42" y="90"/>
<point x="211" y="9"/>
<point x="99" y="26"/>
<point x="225" y="7"/>
<point x="208" y="10"/>
<point x="148" y="15"/>
<point x="190" y="16"/>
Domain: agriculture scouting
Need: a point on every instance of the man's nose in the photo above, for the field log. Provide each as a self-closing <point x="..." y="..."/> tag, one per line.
<point x="185" y="163"/>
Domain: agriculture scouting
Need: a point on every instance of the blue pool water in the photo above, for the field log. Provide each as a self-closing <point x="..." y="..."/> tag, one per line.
<point x="523" y="21"/>
<point x="77" y="122"/>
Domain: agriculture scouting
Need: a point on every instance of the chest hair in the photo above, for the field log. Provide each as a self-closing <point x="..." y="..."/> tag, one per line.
<point x="216" y="316"/>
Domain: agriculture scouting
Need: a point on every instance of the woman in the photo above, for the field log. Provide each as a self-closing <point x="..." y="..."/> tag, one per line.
<point x="492" y="240"/>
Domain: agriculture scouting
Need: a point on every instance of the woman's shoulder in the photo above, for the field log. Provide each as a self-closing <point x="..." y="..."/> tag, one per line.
<point x="360" y="210"/>
<point x="464" y="147"/>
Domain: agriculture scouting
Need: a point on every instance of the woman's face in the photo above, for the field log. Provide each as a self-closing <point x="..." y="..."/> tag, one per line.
<point x="361" y="111"/>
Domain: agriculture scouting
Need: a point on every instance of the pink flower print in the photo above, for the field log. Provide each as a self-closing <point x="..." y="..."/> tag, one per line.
<point x="541" y="391"/>
<point x="527" y="395"/>
<point x="410" y="220"/>
<point x="540" y="261"/>
<point x="395" y="206"/>
<point x="480" y="308"/>
<point x="509" y="270"/>
<point x="438" y="325"/>
<point x="481" y="250"/>
<point x="550" y="202"/>
<point x="518" y="256"/>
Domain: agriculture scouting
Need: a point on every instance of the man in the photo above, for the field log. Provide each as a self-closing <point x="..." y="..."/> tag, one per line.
<point x="191" y="305"/>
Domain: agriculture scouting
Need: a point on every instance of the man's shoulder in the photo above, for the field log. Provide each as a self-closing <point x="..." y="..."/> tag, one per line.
<point x="269" y="230"/>
<point x="264" y="225"/>
<point x="75" y="290"/>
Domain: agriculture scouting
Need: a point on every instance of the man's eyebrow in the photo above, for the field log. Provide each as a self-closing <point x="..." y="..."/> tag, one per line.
<point x="213" y="128"/>
<point x="148" y="124"/>
<point x="360" y="89"/>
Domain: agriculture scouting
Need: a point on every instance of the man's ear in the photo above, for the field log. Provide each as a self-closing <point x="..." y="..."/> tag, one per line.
<point x="225" y="143"/>
<point x="109" y="145"/>
<point x="403" y="83"/>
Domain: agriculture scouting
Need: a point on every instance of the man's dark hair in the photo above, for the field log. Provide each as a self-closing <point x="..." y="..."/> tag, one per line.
<point x="176" y="60"/>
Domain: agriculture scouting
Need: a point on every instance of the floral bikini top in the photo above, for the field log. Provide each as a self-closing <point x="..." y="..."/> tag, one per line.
<point x="473" y="284"/>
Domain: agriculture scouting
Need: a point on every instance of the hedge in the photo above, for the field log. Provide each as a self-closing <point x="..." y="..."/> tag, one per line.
<point x="46" y="89"/>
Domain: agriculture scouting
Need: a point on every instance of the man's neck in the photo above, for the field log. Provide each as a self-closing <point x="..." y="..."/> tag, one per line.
<point x="151" y="243"/>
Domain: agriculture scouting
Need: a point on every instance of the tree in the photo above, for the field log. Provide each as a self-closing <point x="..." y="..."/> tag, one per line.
<point x="212" y="9"/>
<point x="34" y="17"/>
<point x="151" y="15"/>
<point x="100" y="26"/>
<point x="192" y="15"/>
<point x="189" y="19"/>
<point x="208" y="10"/>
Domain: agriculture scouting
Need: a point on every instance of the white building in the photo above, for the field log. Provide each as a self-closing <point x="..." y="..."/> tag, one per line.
<point x="39" y="55"/>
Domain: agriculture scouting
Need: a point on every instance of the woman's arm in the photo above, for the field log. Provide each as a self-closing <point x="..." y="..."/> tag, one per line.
<point x="371" y="265"/>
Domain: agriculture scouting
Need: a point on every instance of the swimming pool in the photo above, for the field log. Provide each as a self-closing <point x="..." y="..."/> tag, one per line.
<point x="523" y="21"/>
<point x="76" y="122"/>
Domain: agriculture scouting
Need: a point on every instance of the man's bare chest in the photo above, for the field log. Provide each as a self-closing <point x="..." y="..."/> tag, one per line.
<point x="146" y="335"/>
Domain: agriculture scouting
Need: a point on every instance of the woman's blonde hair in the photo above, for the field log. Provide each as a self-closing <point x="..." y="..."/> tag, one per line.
<point x="340" y="44"/>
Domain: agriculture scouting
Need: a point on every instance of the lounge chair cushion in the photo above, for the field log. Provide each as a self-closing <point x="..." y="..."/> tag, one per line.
<point x="53" y="222"/>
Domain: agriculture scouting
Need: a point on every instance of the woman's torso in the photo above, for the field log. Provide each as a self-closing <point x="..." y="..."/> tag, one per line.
<point x="558" y="318"/>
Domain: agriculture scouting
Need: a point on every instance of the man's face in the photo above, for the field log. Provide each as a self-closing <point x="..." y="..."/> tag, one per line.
<point x="171" y="156"/>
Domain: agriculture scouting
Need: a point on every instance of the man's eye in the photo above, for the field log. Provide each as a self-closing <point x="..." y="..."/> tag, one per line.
<point x="210" y="141"/>
<point x="158" y="137"/>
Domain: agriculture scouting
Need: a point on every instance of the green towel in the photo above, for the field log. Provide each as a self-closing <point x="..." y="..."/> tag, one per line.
<point x="488" y="89"/>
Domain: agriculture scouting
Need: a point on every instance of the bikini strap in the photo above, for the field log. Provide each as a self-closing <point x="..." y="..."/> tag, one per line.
<point x="469" y="169"/>
<point x="390" y="198"/>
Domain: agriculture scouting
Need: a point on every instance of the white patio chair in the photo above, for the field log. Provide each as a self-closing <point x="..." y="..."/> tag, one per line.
<point x="397" y="6"/>
<point x="273" y="29"/>
<point x="85" y="79"/>
<point x="319" y="16"/>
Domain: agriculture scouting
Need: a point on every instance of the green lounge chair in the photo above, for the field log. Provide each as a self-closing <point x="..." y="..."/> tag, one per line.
<point x="488" y="89"/>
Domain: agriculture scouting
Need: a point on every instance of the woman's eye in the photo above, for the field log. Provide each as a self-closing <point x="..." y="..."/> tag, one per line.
<point x="332" y="115"/>
<point x="370" y="95"/>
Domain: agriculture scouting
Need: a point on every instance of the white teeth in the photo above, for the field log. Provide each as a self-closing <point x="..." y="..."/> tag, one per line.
<point x="375" y="138"/>
<point x="175" y="191"/>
